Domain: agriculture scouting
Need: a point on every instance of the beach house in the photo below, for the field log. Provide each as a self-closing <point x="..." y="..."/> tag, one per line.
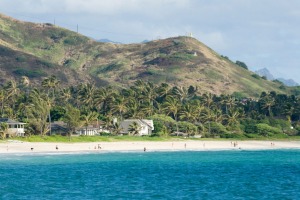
<point x="95" y="128"/>
<point x="145" y="126"/>
<point x="15" y="128"/>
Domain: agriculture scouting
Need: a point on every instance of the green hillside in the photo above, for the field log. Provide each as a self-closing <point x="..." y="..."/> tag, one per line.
<point x="41" y="50"/>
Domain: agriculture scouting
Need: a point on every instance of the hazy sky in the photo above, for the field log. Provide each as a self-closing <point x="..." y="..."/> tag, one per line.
<point x="261" y="33"/>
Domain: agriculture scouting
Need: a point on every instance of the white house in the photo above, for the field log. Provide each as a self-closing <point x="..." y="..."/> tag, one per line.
<point x="88" y="131"/>
<point x="146" y="126"/>
<point x="95" y="128"/>
<point x="15" y="128"/>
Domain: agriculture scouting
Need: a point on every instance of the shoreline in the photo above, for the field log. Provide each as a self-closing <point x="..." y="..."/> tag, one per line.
<point x="16" y="147"/>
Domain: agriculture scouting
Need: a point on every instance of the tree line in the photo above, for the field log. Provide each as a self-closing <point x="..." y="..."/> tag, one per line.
<point x="174" y="109"/>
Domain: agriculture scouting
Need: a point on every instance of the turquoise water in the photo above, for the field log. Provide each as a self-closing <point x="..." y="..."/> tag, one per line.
<point x="152" y="175"/>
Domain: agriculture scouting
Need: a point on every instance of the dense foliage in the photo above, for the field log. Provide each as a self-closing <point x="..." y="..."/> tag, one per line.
<point x="175" y="110"/>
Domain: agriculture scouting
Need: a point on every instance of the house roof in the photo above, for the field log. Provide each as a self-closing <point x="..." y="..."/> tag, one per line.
<point x="144" y="122"/>
<point x="10" y="121"/>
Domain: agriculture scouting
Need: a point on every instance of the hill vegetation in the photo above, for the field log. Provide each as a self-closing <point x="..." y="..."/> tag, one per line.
<point x="174" y="110"/>
<point x="41" y="50"/>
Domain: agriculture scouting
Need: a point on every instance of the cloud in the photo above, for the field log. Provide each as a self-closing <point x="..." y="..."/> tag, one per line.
<point x="110" y="7"/>
<point x="117" y="6"/>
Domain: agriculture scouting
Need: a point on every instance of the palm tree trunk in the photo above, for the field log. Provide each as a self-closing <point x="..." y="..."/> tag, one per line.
<point x="175" y="116"/>
<point x="50" y="132"/>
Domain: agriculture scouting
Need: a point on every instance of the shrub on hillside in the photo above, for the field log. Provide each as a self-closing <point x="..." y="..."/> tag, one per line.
<point x="29" y="73"/>
<point x="21" y="58"/>
<point x="186" y="127"/>
<point x="215" y="129"/>
<point x="249" y="125"/>
<point x="241" y="64"/>
<point x="163" y="124"/>
<point x="266" y="130"/>
<point x="255" y="76"/>
<point x="280" y="123"/>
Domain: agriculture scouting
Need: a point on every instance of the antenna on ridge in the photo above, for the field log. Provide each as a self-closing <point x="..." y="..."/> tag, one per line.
<point x="189" y="34"/>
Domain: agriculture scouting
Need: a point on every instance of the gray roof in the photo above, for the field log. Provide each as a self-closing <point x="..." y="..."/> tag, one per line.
<point x="10" y="121"/>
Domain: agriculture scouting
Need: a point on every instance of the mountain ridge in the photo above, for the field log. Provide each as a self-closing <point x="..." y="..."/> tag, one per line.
<point x="266" y="73"/>
<point x="75" y="58"/>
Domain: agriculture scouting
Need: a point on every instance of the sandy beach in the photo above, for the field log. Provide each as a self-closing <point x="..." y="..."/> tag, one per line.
<point x="15" y="146"/>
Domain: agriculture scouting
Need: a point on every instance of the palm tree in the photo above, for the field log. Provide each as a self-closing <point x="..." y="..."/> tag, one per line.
<point x="23" y="110"/>
<point x="88" y="118"/>
<point x="266" y="103"/>
<point x="12" y="91"/>
<point x="163" y="90"/>
<point x="117" y="128"/>
<point x="11" y="88"/>
<point x="86" y="94"/>
<point x="288" y="110"/>
<point x="189" y="113"/>
<point x="133" y="108"/>
<point x="234" y="116"/>
<point x="103" y="97"/>
<point x="120" y="106"/>
<point x="65" y="95"/>
<point x="72" y="118"/>
<point x="172" y="106"/>
<point x="228" y="101"/>
<point x="134" y="128"/>
<point x="3" y="129"/>
<point x="208" y="100"/>
<point x="39" y="111"/>
<point x="181" y="92"/>
<point x="2" y="99"/>
<point x="50" y="83"/>
<point x="148" y="109"/>
<point x="199" y="107"/>
<point x="25" y="81"/>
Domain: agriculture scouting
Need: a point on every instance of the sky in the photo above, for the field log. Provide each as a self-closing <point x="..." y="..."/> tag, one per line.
<point x="260" y="33"/>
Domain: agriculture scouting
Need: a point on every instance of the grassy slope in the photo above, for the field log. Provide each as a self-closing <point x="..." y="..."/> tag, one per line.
<point x="50" y="50"/>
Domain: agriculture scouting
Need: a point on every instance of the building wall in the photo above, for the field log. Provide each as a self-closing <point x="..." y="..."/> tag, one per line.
<point x="16" y="131"/>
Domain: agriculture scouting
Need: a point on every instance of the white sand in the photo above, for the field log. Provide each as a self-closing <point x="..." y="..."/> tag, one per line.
<point x="25" y="147"/>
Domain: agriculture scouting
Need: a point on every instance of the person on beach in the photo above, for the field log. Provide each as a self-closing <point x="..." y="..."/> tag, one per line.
<point x="144" y="148"/>
<point x="185" y="145"/>
<point x="56" y="147"/>
<point x="31" y="148"/>
<point x="99" y="147"/>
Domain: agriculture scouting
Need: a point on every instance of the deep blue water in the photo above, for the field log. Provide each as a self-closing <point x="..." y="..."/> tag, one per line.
<point x="153" y="175"/>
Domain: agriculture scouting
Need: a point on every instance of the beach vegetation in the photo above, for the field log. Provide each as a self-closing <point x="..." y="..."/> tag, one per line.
<point x="173" y="110"/>
<point x="3" y="129"/>
<point x="267" y="130"/>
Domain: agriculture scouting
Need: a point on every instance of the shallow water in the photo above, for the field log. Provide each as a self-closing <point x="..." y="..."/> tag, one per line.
<point x="152" y="175"/>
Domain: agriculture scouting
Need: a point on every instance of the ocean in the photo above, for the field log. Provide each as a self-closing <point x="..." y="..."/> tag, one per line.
<point x="268" y="174"/>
